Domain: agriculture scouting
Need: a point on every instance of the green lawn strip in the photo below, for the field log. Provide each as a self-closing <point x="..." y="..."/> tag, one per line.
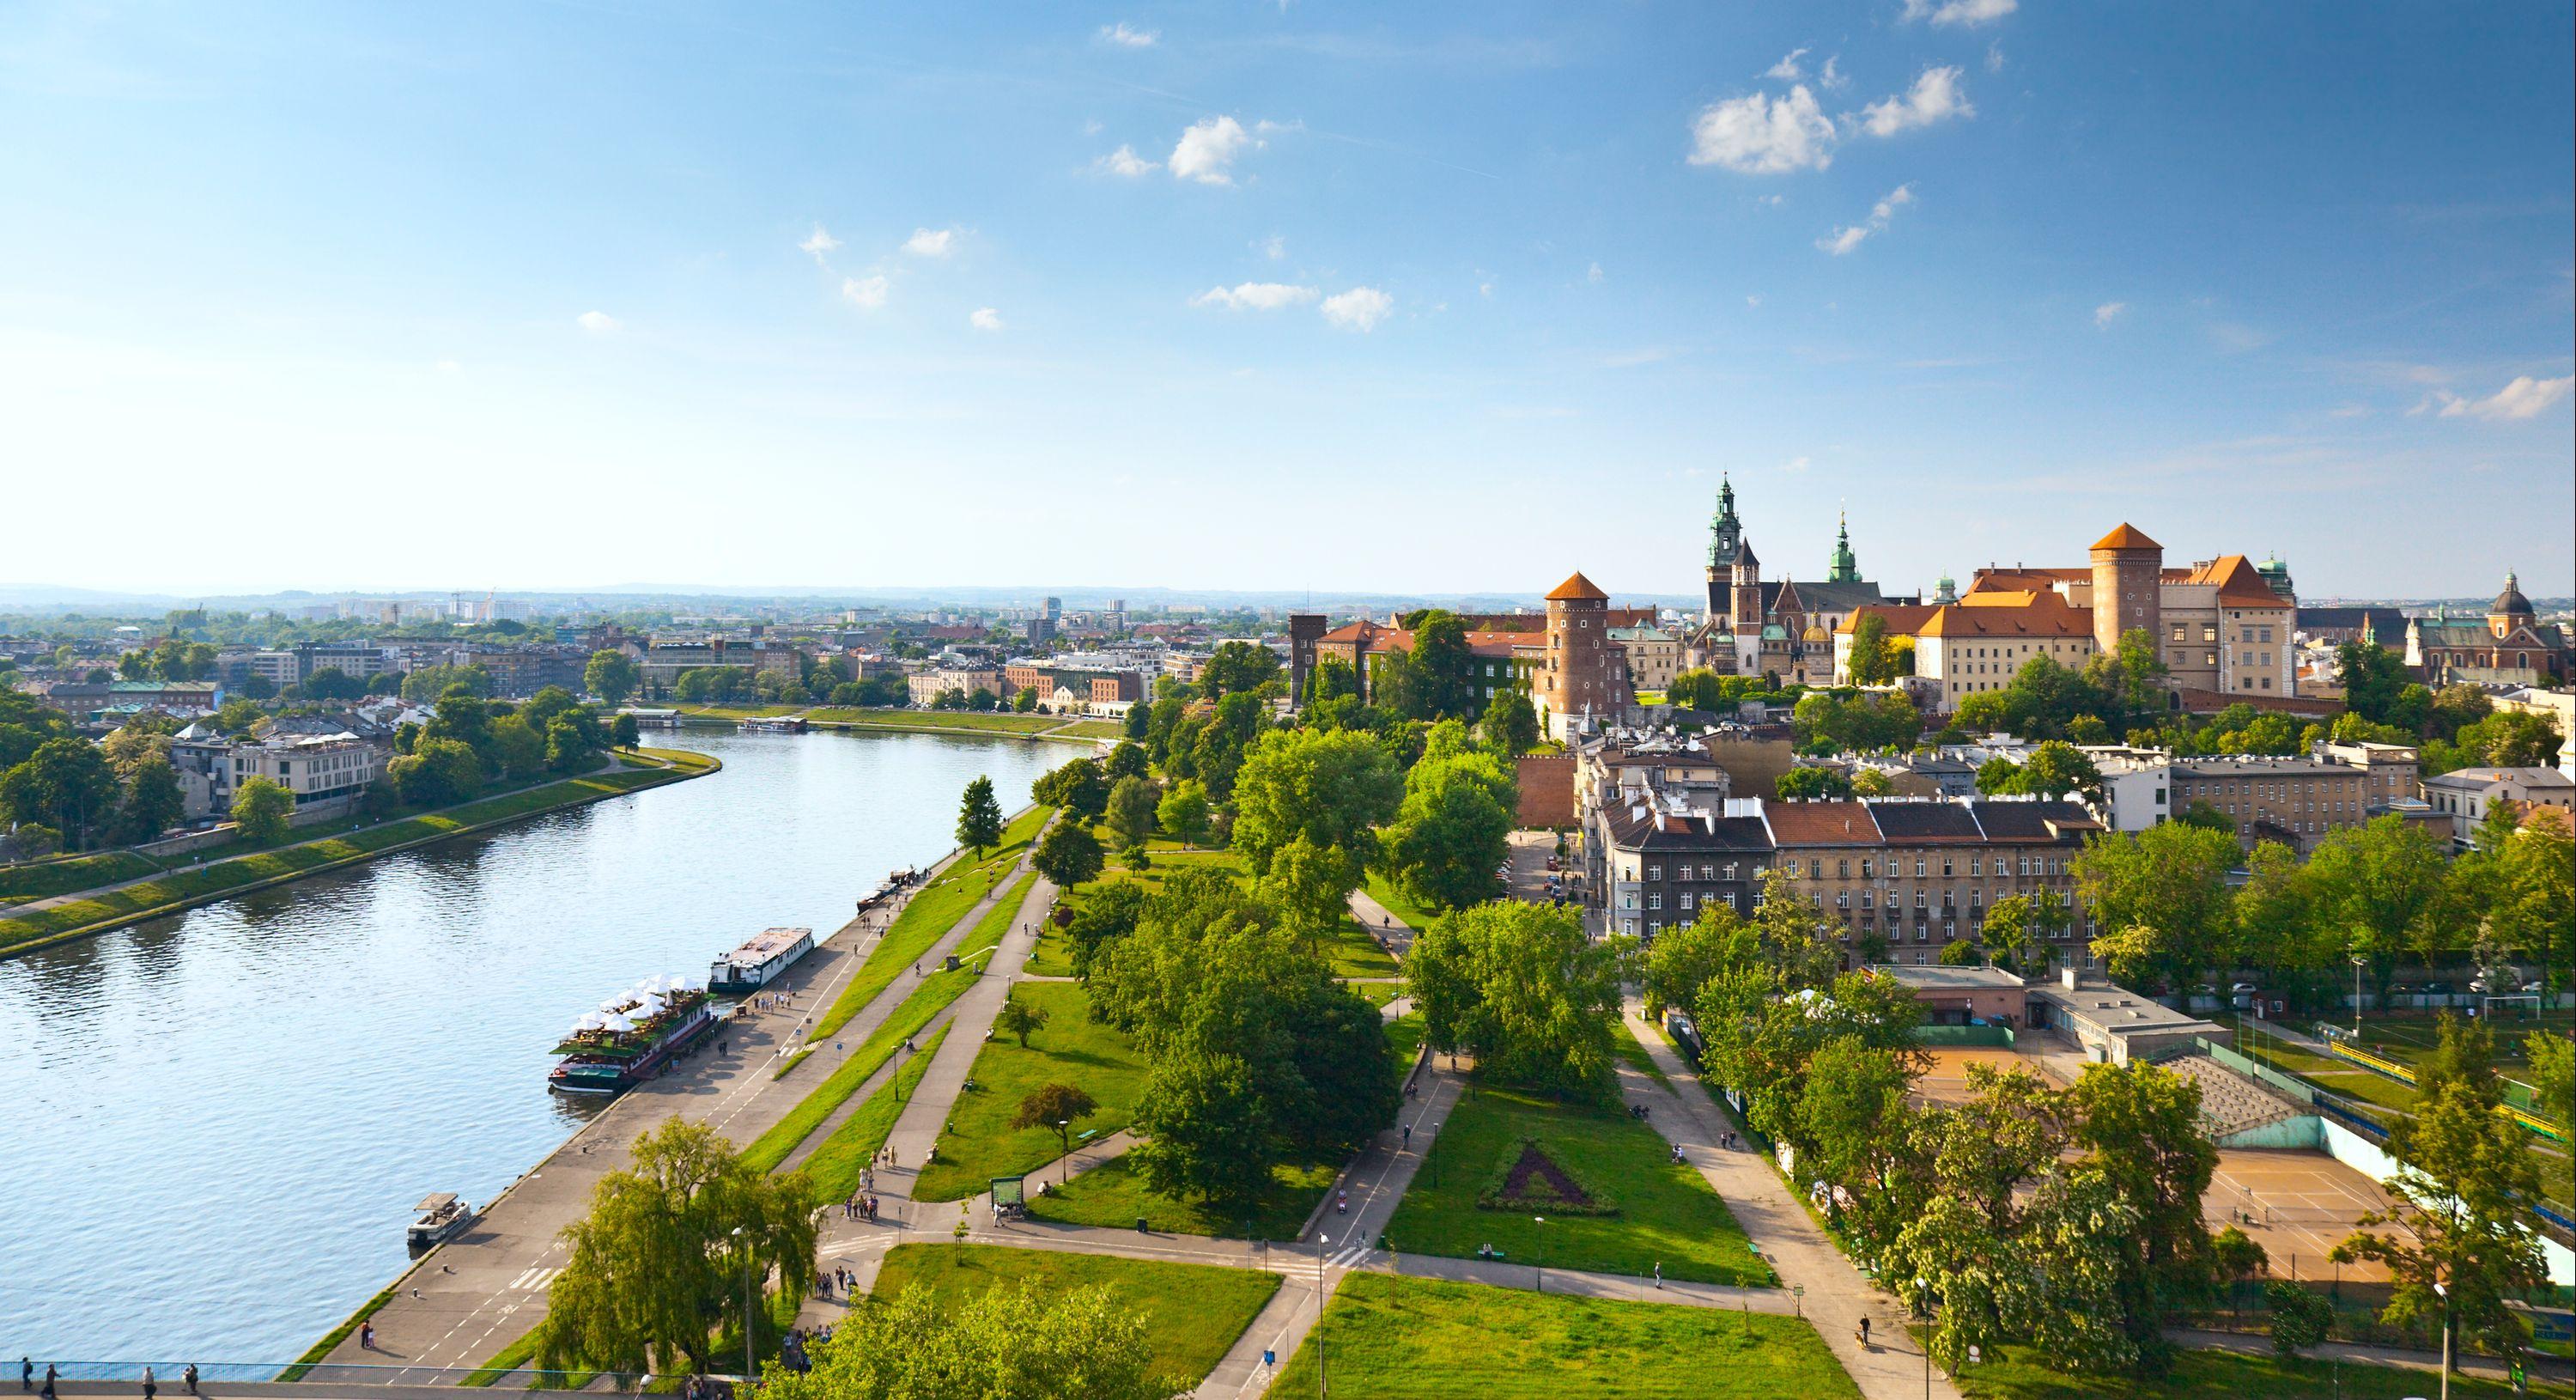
<point x="1635" y="1054"/>
<point x="979" y="1143"/>
<point x="1093" y="729"/>
<point x="997" y="921"/>
<point x="1192" y="1312"/>
<point x="1115" y="1194"/>
<point x="1353" y="952"/>
<point x="1053" y="955"/>
<point x="1383" y="890"/>
<point x="836" y="1164"/>
<point x="48" y="878"/>
<point x="1404" y="1041"/>
<point x="928" y="1000"/>
<point x="1378" y="993"/>
<point x="1396" y="1338"/>
<point x="927" y="916"/>
<point x="2009" y="1374"/>
<point x="963" y="721"/>
<point x="304" y="1364"/>
<point x="1667" y="1213"/>
<point x="199" y="882"/>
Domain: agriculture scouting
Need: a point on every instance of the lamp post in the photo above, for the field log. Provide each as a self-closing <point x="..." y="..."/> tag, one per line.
<point x="1063" y="1133"/>
<point x="1434" y="1159"/>
<point x="1541" y="1221"/>
<point x="1321" y="1240"/>
<point x="2357" y="961"/>
<point x="750" y="1369"/>
<point x="2445" y="1291"/>
<point x="1923" y="1305"/>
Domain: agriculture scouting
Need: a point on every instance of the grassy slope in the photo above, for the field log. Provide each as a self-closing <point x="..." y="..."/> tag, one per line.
<point x="1070" y="1048"/>
<point x="1668" y="1214"/>
<point x="965" y="721"/>
<point x="1398" y="1338"/>
<point x="836" y="1164"/>
<point x="1115" y="1194"/>
<point x="1634" y="1055"/>
<point x="1192" y="1312"/>
<point x="927" y="915"/>
<point x="2216" y="1373"/>
<point x="928" y="1000"/>
<point x="45" y="879"/>
<point x="1383" y="890"/>
<point x="151" y="896"/>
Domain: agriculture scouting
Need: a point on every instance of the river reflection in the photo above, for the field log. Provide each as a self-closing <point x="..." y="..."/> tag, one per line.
<point x="217" y="1121"/>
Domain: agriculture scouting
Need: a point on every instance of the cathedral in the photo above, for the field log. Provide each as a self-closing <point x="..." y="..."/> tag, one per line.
<point x="1783" y="629"/>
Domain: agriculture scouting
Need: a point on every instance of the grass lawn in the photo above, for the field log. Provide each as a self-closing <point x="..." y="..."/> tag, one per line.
<point x="2337" y="1076"/>
<point x="1114" y="1194"/>
<point x="1667" y="1212"/>
<point x="979" y="1144"/>
<point x="1165" y="862"/>
<point x="1353" y="952"/>
<point x="914" y="1012"/>
<point x="837" y="1163"/>
<point x="1404" y="1041"/>
<point x="967" y="721"/>
<point x="1396" y="1338"/>
<point x="1093" y="729"/>
<point x="1634" y="1054"/>
<point x="719" y="711"/>
<point x="1053" y="955"/>
<point x="1383" y="890"/>
<point x="927" y="916"/>
<point x="1192" y="1312"/>
<point x="306" y="857"/>
<point x="2408" y="1039"/>
<point x="1378" y="993"/>
<point x="2015" y="1377"/>
<point x="43" y="879"/>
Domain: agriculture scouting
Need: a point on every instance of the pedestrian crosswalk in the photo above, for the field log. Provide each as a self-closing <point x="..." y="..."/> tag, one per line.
<point x="1350" y="1258"/>
<point x="535" y="1278"/>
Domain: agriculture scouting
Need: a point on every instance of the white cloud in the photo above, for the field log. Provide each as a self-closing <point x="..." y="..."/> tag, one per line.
<point x="1787" y="69"/>
<point x="1753" y="299"/>
<point x="1207" y="150"/>
<point x="2525" y="397"/>
<point x="1274" y="247"/>
<point x="1760" y="135"/>
<point x="1255" y="296"/>
<point x="1843" y="240"/>
<point x="931" y="242"/>
<point x="1484" y="289"/>
<point x="1995" y="56"/>
<point x="819" y="242"/>
<point x="1794" y="464"/>
<point x="598" y="322"/>
<point x="1963" y="12"/>
<point x="1124" y="161"/>
<point x="1359" y="309"/>
<point x="985" y="318"/>
<point x="2108" y="312"/>
<point x="869" y="292"/>
<point x="1935" y="97"/>
<point x="1127" y="38"/>
<point x="1834" y="78"/>
<point x="1594" y="275"/>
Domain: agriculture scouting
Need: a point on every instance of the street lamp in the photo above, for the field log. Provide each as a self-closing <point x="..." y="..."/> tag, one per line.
<point x="2357" y="961"/>
<point x="1063" y="1128"/>
<point x="1434" y="1159"/>
<point x="1923" y="1305"/>
<point x="2445" y="1291"/>
<point x="1541" y="1221"/>
<point x="750" y="1370"/>
<point x="1321" y="1240"/>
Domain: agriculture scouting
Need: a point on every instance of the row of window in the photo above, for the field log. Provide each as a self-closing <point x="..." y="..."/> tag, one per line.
<point x="2021" y="864"/>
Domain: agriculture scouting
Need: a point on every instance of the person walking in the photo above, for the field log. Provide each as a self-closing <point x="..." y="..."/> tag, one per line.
<point x="188" y="1378"/>
<point x="1659" y="1273"/>
<point x="148" y="1386"/>
<point x="26" y="1373"/>
<point x="366" y="1336"/>
<point x="48" y="1390"/>
<point x="1864" y="1332"/>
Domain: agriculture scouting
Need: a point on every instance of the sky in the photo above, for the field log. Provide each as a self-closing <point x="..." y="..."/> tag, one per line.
<point x="1426" y="297"/>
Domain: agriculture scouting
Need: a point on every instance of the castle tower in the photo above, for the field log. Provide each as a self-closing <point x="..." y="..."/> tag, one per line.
<point x="1844" y="568"/>
<point x="2510" y="611"/>
<point x="1586" y="673"/>
<point x="2128" y="573"/>
<point x="1725" y="537"/>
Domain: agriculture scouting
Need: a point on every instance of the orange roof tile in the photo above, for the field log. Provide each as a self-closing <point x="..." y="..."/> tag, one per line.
<point x="1576" y="587"/>
<point x="2239" y="582"/>
<point x="2128" y="536"/>
<point x="2027" y="615"/>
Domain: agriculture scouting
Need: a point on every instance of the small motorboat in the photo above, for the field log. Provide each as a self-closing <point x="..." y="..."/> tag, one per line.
<point x="442" y="1218"/>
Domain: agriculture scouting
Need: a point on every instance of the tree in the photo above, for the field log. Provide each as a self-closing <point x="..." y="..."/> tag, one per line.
<point x="1873" y="662"/>
<point x="130" y="746"/>
<point x="66" y="784"/>
<point x="1069" y="855"/>
<point x="1510" y="725"/>
<point x="262" y="809"/>
<point x="1812" y="783"/>
<point x="983" y="701"/>
<point x="622" y="732"/>
<point x="1057" y="1106"/>
<point x="2056" y="769"/>
<point x="1024" y="700"/>
<point x="1311" y="886"/>
<point x="436" y="773"/>
<point x="2016" y="928"/>
<point x="2139" y="1125"/>
<point x="656" y="1260"/>
<point x="153" y="802"/>
<point x="2372" y="677"/>
<point x="2300" y="1315"/>
<point x="1334" y="789"/>
<point x="2169" y="879"/>
<point x="1440" y="672"/>
<point x="1237" y="668"/>
<point x="1136" y="722"/>
<point x="2552" y="1059"/>
<point x="2205" y="815"/>
<point x="238" y="717"/>
<point x="255" y="686"/>
<point x="332" y="683"/>
<point x="979" y="818"/>
<point x="1960" y="952"/>
<point x="1521" y="988"/>
<point x="1079" y="787"/>
<point x="1872" y="782"/>
<point x="1184" y="813"/>
<point x="1131" y="810"/>
<point x="1018" y="1018"/>
<point x="1008" y="1343"/>
<point x="1853" y="1107"/>
<point x="1453" y="829"/>
<point x="1209" y="1131"/>
<point x="2383" y="885"/>
<point x="1127" y="761"/>
<point x="1686" y="957"/>
<point x="611" y="675"/>
<point x="518" y="750"/>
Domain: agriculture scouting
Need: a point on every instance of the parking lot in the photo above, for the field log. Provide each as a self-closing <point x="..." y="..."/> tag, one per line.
<point x="1530" y="853"/>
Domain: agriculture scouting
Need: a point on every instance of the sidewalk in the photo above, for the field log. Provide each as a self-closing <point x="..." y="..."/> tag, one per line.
<point x="1837" y="1296"/>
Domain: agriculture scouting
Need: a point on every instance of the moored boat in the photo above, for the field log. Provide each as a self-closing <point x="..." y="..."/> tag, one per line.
<point x="761" y="958"/>
<point x="632" y="1037"/>
<point x="442" y="1218"/>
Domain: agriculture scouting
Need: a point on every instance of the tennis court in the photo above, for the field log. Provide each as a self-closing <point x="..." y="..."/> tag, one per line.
<point x="1947" y="1079"/>
<point x="2297" y="1205"/>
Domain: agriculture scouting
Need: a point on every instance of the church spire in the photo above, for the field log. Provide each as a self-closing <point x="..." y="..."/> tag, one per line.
<point x="1725" y="533"/>
<point x="1845" y="568"/>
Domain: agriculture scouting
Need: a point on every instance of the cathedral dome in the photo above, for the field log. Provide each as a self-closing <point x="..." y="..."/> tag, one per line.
<point x="2510" y="603"/>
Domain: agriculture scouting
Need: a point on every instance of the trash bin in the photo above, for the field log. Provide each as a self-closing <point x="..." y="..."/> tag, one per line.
<point x="1269" y="1357"/>
<point x="1140" y="1224"/>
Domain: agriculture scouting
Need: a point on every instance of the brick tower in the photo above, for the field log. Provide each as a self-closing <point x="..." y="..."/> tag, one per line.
<point x="2128" y="571"/>
<point x="1586" y="672"/>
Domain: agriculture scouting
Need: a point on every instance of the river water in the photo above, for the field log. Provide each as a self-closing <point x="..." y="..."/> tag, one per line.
<point x="216" y="1122"/>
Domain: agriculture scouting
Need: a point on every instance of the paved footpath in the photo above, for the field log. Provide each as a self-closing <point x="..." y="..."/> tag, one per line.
<point x="1837" y="1296"/>
<point x="471" y="1297"/>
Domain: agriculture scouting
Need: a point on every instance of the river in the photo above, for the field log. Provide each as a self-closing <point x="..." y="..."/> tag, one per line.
<point x="216" y="1122"/>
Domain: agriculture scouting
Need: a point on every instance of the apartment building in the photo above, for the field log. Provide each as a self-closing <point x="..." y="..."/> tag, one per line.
<point x="2465" y="795"/>
<point x="2295" y="801"/>
<point x="1663" y="863"/>
<point x="1922" y="873"/>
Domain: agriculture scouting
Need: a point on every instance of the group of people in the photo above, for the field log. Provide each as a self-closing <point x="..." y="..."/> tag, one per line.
<point x="151" y="1383"/>
<point x="842" y="1279"/>
<point x="705" y="1388"/>
<point x="860" y="1206"/>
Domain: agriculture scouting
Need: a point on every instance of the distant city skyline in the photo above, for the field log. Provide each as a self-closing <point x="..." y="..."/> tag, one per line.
<point x="1416" y="302"/>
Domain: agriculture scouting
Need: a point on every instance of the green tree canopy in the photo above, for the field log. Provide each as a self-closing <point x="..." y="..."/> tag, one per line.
<point x="1334" y="789"/>
<point x="1521" y="988"/>
<point x="979" y="817"/>
<point x="1069" y="854"/>
<point x="1453" y="829"/>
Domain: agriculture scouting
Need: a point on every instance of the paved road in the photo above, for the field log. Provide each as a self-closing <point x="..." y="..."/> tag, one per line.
<point x="476" y="1294"/>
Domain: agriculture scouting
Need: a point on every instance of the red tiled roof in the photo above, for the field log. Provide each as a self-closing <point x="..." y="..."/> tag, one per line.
<point x="2010" y="615"/>
<point x="1821" y="823"/>
<point x="2128" y="536"/>
<point x="1577" y="588"/>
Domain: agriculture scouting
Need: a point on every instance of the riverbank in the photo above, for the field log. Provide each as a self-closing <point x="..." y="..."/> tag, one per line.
<point x="111" y="908"/>
<point x="1061" y="729"/>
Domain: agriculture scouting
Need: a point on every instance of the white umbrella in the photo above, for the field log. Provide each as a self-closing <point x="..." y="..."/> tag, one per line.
<point x="620" y="1024"/>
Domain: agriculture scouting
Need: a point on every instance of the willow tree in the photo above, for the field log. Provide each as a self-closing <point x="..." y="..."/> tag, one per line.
<point x="667" y="1252"/>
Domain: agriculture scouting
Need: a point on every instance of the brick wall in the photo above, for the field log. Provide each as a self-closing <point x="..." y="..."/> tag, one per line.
<point x="1547" y="790"/>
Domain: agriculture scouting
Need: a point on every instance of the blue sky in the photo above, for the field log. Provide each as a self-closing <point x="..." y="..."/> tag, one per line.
<point x="1422" y="297"/>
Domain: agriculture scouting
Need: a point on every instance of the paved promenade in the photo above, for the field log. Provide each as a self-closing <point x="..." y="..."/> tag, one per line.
<point x="476" y="1294"/>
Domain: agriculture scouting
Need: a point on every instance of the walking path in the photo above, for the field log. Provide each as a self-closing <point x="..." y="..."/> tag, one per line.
<point x="469" y="1298"/>
<point x="1837" y="1296"/>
